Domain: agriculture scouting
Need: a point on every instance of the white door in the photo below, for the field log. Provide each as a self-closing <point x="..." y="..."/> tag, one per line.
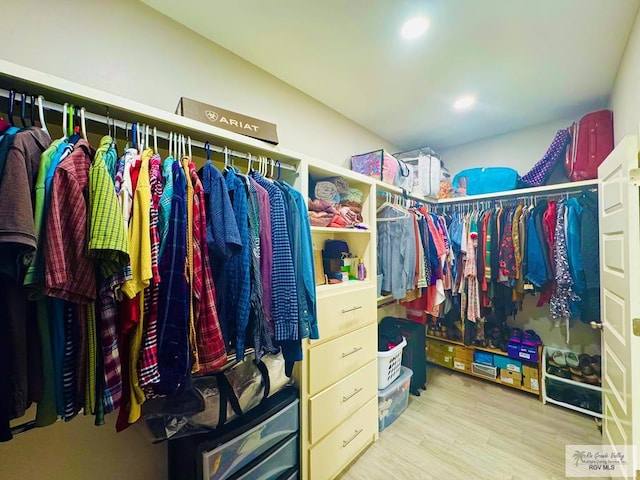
<point x="620" y="297"/>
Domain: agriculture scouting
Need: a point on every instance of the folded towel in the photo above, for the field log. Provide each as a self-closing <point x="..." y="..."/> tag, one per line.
<point x="320" y="219"/>
<point x="341" y="185"/>
<point x="321" y="206"/>
<point x="327" y="191"/>
<point x="352" y="195"/>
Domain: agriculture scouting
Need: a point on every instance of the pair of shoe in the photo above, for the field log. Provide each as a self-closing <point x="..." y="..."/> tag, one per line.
<point x="528" y="338"/>
<point x="583" y="368"/>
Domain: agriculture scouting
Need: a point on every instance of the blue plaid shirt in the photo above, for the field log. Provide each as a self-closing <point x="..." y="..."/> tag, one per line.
<point x="284" y="305"/>
<point x="173" y="305"/>
<point x="236" y="302"/>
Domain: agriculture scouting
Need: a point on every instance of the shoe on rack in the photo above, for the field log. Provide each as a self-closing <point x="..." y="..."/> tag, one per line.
<point x="592" y="379"/>
<point x="575" y="371"/>
<point x="553" y="370"/>
<point x="531" y="339"/>
<point x="572" y="360"/>
<point x="587" y="370"/>
<point x="515" y="336"/>
<point x="564" y="373"/>
<point x="596" y="363"/>
<point x="559" y="358"/>
<point x="577" y="378"/>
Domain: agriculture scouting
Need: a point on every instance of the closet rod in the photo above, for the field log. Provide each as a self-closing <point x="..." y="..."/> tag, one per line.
<point x="513" y="199"/>
<point x="97" y="118"/>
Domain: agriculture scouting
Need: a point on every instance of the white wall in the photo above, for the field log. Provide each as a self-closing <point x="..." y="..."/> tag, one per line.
<point x="519" y="150"/>
<point x="127" y="48"/>
<point x="625" y="98"/>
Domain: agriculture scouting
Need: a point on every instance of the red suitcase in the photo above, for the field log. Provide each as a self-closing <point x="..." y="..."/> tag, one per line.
<point x="591" y="142"/>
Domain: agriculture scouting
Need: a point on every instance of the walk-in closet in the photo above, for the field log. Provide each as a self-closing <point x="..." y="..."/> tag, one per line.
<point x="320" y="240"/>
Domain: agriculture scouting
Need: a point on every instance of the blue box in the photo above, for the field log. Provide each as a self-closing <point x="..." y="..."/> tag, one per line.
<point x="483" y="358"/>
<point x="506" y="363"/>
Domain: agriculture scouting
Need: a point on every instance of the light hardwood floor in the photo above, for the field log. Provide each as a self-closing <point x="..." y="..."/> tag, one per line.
<point x="464" y="428"/>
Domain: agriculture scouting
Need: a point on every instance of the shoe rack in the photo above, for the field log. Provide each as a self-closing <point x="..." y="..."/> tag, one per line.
<point x="578" y="395"/>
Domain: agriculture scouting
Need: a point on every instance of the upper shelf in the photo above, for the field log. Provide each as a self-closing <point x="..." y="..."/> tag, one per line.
<point x="522" y="192"/>
<point x="60" y="90"/>
<point x="338" y="230"/>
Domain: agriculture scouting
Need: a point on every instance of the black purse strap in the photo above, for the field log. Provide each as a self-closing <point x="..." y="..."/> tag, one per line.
<point x="265" y="378"/>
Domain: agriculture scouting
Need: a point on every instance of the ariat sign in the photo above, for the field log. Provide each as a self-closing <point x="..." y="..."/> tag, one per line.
<point x="232" y="121"/>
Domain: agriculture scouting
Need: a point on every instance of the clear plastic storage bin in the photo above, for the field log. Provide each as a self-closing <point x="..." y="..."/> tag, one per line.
<point x="234" y="455"/>
<point x="393" y="400"/>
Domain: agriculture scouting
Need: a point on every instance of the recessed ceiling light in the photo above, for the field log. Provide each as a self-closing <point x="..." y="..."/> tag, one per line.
<point x="464" y="103"/>
<point x="414" y="27"/>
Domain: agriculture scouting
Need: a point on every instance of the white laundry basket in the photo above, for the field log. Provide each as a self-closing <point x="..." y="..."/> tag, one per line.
<point x="389" y="365"/>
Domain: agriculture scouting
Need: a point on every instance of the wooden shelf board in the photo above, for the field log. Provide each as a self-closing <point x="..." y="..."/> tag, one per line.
<point x="496" y="380"/>
<point x="561" y="188"/>
<point x="338" y="230"/>
<point x="495" y="351"/>
<point x="446" y="340"/>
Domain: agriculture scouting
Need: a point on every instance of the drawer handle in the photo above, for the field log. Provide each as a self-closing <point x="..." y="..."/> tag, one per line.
<point x="357" y="349"/>
<point x="352" y="309"/>
<point x="355" y="392"/>
<point x="347" y="442"/>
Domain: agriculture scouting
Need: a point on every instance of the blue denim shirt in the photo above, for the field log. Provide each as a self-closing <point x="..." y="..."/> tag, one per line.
<point x="574" y="252"/>
<point x="305" y="273"/>
<point x="396" y="254"/>
<point x="536" y="268"/>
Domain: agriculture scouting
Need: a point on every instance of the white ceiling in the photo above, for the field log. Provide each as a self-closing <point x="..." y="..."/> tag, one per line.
<point x="527" y="62"/>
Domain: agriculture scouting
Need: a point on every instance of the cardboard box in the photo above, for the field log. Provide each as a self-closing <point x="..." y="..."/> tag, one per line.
<point x="461" y="364"/>
<point x="530" y="377"/>
<point x="506" y="363"/>
<point x="440" y="359"/>
<point x="483" y="358"/>
<point x="440" y="347"/>
<point x="484" y="370"/>
<point x="510" y="378"/>
<point x="464" y="353"/>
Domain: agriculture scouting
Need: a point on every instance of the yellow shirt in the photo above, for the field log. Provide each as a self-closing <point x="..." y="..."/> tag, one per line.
<point x="192" y="327"/>
<point x="140" y="251"/>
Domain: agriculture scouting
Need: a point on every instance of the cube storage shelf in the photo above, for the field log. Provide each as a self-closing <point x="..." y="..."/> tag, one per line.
<point x="464" y="367"/>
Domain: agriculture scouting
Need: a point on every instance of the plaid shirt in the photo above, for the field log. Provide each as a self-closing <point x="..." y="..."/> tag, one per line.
<point x="112" y="371"/>
<point x="164" y="208"/>
<point x="173" y="308"/>
<point x="261" y="335"/>
<point x="107" y="239"/>
<point x="69" y="273"/>
<point x="236" y="300"/>
<point x="148" y="363"/>
<point x="284" y="306"/>
<point x="210" y="344"/>
<point x="266" y="252"/>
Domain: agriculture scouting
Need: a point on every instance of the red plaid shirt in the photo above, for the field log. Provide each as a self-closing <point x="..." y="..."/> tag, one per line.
<point x="212" y="354"/>
<point x="148" y="363"/>
<point x="69" y="272"/>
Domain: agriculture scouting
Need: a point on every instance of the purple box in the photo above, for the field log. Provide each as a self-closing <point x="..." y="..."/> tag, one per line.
<point x="528" y="354"/>
<point x="513" y="350"/>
